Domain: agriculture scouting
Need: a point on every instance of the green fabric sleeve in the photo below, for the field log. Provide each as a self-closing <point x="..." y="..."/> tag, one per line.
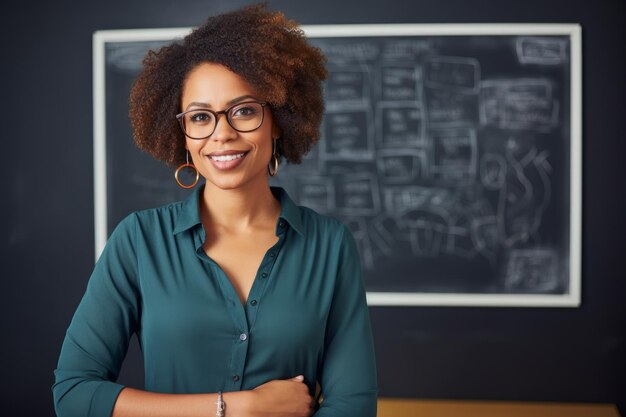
<point x="97" y="339"/>
<point x="348" y="380"/>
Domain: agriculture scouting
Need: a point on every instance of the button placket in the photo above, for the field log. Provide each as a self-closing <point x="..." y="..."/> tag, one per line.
<point x="238" y="315"/>
<point x="258" y="288"/>
<point x="240" y="356"/>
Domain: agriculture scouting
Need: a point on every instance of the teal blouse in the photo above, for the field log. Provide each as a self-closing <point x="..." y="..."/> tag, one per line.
<point x="306" y="314"/>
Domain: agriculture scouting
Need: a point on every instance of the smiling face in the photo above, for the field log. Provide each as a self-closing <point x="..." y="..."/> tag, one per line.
<point x="228" y="159"/>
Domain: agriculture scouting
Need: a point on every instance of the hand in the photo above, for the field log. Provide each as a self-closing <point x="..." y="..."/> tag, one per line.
<point x="282" y="398"/>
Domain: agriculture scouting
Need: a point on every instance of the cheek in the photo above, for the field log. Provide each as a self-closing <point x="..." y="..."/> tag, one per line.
<point x="193" y="148"/>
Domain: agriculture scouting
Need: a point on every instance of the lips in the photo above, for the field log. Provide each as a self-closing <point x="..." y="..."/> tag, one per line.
<point x="226" y="160"/>
<point x="234" y="152"/>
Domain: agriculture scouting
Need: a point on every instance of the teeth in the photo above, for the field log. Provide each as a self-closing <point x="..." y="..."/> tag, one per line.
<point x="224" y="158"/>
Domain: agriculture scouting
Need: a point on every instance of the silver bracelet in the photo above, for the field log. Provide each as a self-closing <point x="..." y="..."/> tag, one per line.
<point x="220" y="405"/>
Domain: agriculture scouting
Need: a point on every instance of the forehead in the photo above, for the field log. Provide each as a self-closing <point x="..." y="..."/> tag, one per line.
<point x="214" y="84"/>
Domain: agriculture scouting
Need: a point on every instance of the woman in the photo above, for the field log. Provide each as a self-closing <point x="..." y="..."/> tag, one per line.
<point x="242" y="301"/>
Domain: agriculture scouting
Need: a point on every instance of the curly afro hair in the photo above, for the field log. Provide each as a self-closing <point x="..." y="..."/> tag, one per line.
<point x="267" y="50"/>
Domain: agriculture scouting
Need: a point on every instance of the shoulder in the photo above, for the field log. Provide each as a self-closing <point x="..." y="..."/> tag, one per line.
<point x="316" y="223"/>
<point x="152" y="220"/>
<point x="333" y="244"/>
<point x="159" y="214"/>
<point x="308" y="222"/>
<point x="329" y="233"/>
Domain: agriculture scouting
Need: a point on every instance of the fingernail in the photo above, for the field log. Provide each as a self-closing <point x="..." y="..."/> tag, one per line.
<point x="300" y="378"/>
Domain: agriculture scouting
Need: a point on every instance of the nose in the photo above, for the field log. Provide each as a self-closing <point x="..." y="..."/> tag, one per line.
<point x="223" y="130"/>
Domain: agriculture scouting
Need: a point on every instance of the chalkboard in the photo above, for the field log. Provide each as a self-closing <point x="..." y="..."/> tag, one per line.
<point x="451" y="151"/>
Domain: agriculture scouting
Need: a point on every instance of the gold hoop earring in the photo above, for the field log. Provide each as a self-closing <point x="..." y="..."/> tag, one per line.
<point x="274" y="162"/>
<point x="183" y="166"/>
<point x="275" y="170"/>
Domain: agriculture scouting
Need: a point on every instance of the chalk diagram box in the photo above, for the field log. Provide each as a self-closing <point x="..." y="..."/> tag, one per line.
<point x="351" y="131"/>
<point x="400" y="125"/>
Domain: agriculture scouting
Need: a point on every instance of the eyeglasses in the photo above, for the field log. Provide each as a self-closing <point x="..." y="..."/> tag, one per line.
<point x="243" y="117"/>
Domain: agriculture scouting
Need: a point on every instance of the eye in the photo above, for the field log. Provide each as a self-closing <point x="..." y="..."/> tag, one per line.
<point x="199" y="117"/>
<point x="245" y="111"/>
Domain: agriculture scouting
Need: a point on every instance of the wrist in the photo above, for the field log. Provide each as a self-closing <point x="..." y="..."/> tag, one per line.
<point x="219" y="405"/>
<point x="238" y="404"/>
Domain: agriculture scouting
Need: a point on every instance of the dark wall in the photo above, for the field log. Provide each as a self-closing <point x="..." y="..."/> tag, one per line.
<point x="46" y="241"/>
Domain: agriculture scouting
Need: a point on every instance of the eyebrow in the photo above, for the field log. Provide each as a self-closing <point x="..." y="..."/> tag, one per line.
<point x="228" y="104"/>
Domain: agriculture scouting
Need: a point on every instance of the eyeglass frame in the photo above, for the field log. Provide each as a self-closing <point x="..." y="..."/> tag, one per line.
<point x="216" y="114"/>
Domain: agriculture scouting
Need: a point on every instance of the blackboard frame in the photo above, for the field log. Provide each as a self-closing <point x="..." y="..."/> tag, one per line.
<point x="570" y="298"/>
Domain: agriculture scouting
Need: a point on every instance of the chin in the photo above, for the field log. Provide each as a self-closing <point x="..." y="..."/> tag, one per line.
<point x="237" y="181"/>
<point x="227" y="183"/>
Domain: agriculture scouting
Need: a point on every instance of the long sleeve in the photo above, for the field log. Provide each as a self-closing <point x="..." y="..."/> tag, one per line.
<point x="97" y="339"/>
<point x="348" y="377"/>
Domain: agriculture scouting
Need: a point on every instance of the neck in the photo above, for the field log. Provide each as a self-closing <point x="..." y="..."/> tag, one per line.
<point x="240" y="209"/>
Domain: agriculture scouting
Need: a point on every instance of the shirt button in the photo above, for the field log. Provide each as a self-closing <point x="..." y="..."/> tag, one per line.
<point x="253" y="302"/>
<point x="272" y="254"/>
<point x="281" y="224"/>
<point x="264" y="274"/>
<point x="235" y="378"/>
<point x="243" y="337"/>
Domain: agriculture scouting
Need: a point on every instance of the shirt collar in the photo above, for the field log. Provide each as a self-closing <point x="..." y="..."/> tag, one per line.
<point x="289" y="211"/>
<point x="189" y="215"/>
